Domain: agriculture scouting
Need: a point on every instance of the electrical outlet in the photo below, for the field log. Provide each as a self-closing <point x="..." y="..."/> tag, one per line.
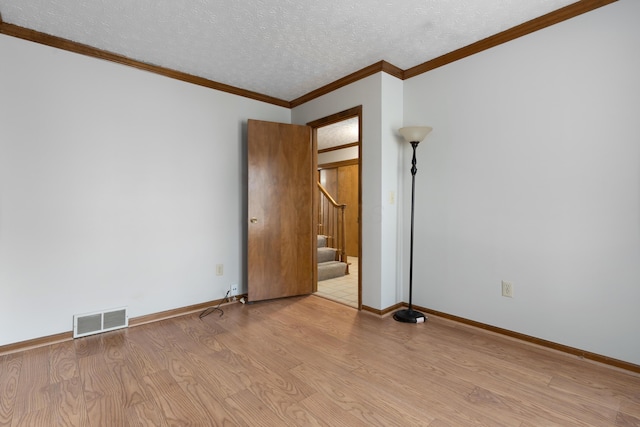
<point x="507" y="289"/>
<point x="233" y="290"/>
<point x="219" y="269"/>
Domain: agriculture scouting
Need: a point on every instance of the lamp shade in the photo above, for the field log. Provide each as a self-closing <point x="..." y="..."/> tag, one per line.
<point x="415" y="133"/>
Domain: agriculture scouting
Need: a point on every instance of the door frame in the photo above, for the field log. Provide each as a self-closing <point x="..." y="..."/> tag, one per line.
<point x="335" y="118"/>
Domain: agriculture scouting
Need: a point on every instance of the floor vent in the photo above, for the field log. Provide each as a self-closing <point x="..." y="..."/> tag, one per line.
<point x="100" y="321"/>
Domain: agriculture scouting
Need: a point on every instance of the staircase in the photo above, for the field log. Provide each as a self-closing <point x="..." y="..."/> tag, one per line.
<point x="332" y="255"/>
<point x="328" y="266"/>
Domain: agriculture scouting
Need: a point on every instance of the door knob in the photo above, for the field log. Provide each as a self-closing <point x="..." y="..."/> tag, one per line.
<point x="254" y="220"/>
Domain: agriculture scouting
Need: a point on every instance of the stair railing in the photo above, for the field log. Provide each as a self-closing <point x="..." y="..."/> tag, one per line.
<point x="331" y="223"/>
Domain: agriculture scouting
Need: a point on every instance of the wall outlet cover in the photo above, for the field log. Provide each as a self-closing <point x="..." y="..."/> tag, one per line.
<point x="507" y="289"/>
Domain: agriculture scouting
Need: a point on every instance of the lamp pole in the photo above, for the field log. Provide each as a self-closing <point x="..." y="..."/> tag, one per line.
<point x="414" y="169"/>
<point x="413" y="136"/>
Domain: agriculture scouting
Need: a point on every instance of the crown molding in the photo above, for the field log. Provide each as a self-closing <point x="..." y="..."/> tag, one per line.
<point x="544" y="21"/>
<point x="82" y="49"/>
<point x="347" y="80"/>
<point x="552" y="18"/>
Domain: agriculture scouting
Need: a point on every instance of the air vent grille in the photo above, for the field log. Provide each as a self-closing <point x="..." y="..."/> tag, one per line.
<point x="114" y="319"/>
<point x="101" y="321"/>
<point x="88" y="324"/>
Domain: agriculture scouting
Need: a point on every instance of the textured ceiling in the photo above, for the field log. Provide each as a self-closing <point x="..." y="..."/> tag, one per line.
<point x="281" y="48"/>
<point x="337" y="134"/>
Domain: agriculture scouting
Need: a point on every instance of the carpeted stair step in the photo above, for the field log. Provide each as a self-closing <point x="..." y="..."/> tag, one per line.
<point x="322" y="241"/>
<point x="326" y="255"/>
<point x="331" y="269"/>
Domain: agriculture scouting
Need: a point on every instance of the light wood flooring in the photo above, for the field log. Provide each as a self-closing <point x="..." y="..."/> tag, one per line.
<point x="309" y="361"/>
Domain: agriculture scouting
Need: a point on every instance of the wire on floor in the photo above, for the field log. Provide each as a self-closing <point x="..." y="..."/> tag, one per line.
<point x="210" y="310"/>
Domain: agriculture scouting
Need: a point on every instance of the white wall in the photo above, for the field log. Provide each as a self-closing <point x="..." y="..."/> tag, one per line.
<point x="390" y="191"/>
<point x="340" y="155"/>
<point x="118" y="187"/>
<point x="532" y="175"/>
<point x="378" y="153"/>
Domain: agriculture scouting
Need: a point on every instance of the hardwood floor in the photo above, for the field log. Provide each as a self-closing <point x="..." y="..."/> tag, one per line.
<point x="309" y="361"/>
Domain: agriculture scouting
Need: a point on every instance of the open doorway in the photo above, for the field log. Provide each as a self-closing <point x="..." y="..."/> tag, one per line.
<point x="338" y="140"/>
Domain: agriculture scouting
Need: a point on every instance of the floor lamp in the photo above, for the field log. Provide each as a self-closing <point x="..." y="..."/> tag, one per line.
<point x="412" y="135"/>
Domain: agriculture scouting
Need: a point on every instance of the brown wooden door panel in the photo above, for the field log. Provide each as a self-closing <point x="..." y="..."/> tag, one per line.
<point x="281" y="224"/>
<point x="342" y="183"/>
<point x="348" y="194"/>
<point x="329" y="180"/>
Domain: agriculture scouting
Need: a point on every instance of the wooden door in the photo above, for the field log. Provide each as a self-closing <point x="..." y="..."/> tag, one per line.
<point x="348" y="194"/>
<point x="281" y="239"/>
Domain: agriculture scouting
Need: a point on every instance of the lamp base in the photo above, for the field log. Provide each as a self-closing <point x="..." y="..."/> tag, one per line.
<point x="409" y="316"/>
